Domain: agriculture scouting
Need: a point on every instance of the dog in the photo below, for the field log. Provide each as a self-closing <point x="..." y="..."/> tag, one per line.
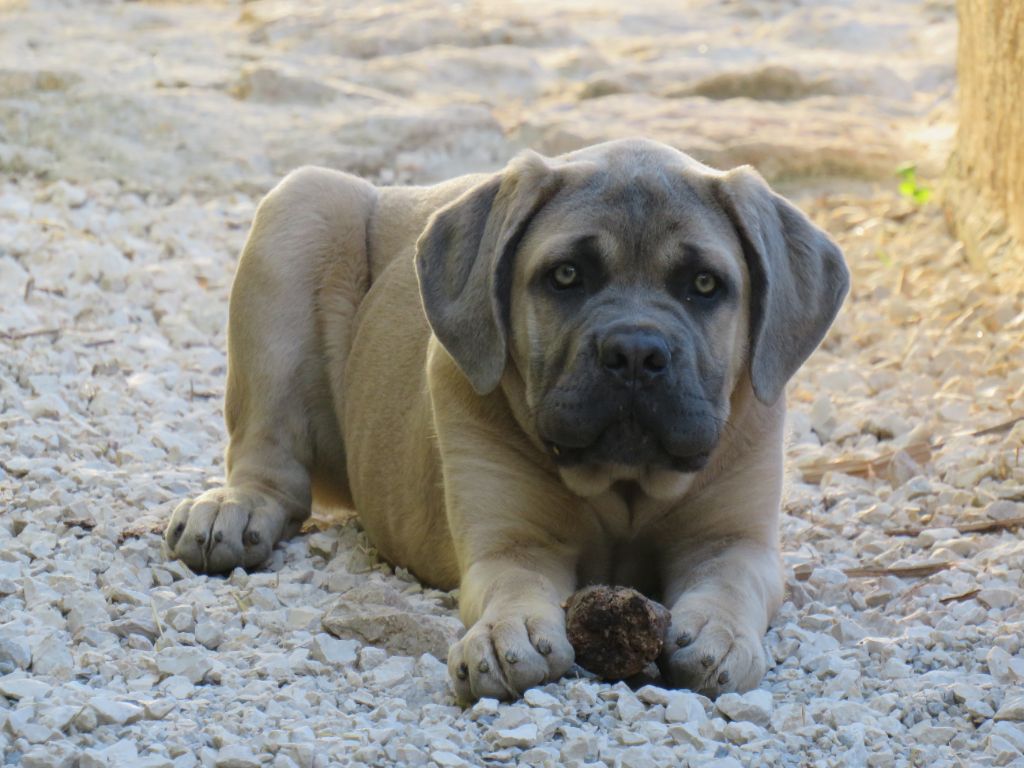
<point x="567" y="372"/>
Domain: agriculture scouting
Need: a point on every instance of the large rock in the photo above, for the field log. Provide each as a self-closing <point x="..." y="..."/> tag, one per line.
<point x="397" y="629"/>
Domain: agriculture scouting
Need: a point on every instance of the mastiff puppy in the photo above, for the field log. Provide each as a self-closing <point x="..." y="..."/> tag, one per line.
<point x="567" y="372"/>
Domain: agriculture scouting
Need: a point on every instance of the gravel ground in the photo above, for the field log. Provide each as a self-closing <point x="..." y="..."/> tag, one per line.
<point x="135" y="141"/>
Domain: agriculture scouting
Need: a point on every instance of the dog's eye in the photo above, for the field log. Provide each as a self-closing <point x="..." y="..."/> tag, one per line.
<point x="705" y="284"/>
<point x="565" y="275"/>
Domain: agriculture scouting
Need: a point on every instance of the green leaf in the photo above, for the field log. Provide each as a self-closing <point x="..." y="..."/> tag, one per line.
<point x="907" y="171"/>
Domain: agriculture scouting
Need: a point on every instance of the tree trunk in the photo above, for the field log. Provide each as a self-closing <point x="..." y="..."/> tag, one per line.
<point x="988" y="166"/>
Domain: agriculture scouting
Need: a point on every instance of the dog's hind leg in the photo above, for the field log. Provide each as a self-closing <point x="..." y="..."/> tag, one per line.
<point x="299" y="282"/>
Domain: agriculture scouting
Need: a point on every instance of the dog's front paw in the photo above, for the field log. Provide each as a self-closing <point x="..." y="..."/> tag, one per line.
<point x="710" y="653"/>
<point x="224" y="528"/>
<point x="503" y="655"/>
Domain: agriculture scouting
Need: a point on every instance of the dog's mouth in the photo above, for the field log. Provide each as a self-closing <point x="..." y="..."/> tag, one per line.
<point x="627" y="444"/>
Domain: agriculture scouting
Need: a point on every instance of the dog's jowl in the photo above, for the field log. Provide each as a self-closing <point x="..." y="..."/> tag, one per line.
<point x="578" y="364"/>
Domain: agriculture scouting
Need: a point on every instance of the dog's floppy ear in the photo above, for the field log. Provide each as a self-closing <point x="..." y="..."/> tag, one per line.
<point x="464" y="265"/>
<point x="798" y="279"/>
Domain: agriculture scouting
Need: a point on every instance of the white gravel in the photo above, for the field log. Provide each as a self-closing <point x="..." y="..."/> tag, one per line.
<point x="135" y="140"/>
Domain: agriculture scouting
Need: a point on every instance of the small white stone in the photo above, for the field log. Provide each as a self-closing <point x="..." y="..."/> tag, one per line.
<point x="978" y="709"/>
<point x="637" y="758"/>
<point x="178" y="686"/>
<point x="158" y="709"/>
<point x="236" y="756"/>
<point x="428" y="668"/>
<point x="628" y="737"/>
<point x="115" y="712"/>
<point x="998" y="597"/>
<point x="209" y="634"/>
<point x="753" y="707"/>
<point x="485" y="707"/>
<point x="58" y="717"/>
<point x="651" y="694"/>
<point x="395" y="670"/>
<point x="723" y="762"/>
<point x="187" y="661"/>
<point x="17" y="686"/>
<point x="537" y="698"/>
<point x="407" y="754"/>
<point x="120" y="753"/>
<point x="447" y="759"/>
<point x="85" y="720"/>
<point x="53" y="755"/>
<point x="513" y="717"/>
<point x="931" y="536"/>
<point x="22" y="723"/>
<point x="823" y="420"/>
<point x="50" y="656"/>
<point x="303" y="617"/>
<point x="328" y="649"/>
<point x="685" y="707"/>
<point x="1002" y="750"/>
<point x="523" y="736"/>
<point x="15" y="654"/>
<point x="742" y="732"/>
<point x="181" y="618"/>
<point x="926" y="733"/>
<point x="896" y="669"/>
<point x="48" y="406"/>
<point x="370" y="657"/>
<point x="827" y="578"/>
<point x="322" y="544"/>
<point x="628" y="707"/>
<point x="1011" y="732"/>
<point x="999" y="665"/>
<point x="1011" y="709"/>
<point x="687" y="733"/>
<point x="1004" y="510"/>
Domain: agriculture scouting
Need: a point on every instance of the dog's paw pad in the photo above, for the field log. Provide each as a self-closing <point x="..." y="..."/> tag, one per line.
<point x="502" y="658"/>
<point x="224" y="528"/>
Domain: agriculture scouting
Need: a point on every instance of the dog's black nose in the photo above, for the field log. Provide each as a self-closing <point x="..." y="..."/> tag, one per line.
<point x="634" y="356"/>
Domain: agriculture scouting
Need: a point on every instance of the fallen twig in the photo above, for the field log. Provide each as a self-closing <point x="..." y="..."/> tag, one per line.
<point x="19" y="335"/>
<point x="959" y="598"/>
<point x="919" y="452"/>
<point x="983" y="526"/>
<point x="803" y="572"/>
<point x="908" y="571"/>
<point x="996" y="429"/>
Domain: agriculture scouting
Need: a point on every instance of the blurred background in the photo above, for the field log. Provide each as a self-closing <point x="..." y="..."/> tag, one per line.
<point x="211" y="97"/>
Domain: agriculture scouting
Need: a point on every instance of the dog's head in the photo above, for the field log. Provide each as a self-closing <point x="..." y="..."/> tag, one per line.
<point x="630" y="289"/>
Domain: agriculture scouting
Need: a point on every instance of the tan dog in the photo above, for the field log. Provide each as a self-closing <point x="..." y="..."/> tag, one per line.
<point x="566" y="372"/>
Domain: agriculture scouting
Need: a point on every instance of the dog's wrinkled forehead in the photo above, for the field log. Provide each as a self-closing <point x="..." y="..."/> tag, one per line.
<point x="640" y="206"/>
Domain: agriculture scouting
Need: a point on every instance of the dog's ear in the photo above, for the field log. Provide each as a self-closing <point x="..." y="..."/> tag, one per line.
<point x="798" y="279"/>
<point x="464" y="265"/>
